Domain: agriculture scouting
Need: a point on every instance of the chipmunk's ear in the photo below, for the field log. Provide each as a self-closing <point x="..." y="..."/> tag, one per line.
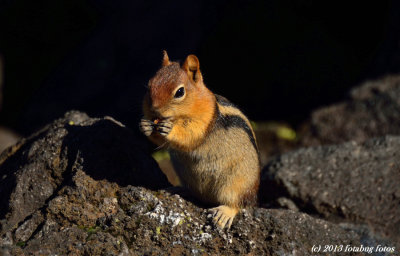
<point x="192" y="68"/>
<point x="165" y="61"/>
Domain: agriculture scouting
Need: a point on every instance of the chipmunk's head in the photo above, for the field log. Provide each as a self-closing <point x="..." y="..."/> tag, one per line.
<point x="176" y="90"/>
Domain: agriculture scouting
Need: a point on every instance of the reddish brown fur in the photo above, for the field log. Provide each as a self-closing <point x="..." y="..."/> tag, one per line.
<point x="218" y="165"/>
<point x="164" y="82"/>
<point x="193" y="115"/>
<point x="192" y="68"/>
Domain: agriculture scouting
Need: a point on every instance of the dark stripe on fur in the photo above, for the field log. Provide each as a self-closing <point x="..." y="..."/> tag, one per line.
<point x="228" y="121"/>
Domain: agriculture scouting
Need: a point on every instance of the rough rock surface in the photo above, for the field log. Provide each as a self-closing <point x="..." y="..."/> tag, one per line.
<point x="137" y="221"/>
<point x="74" y="189"/>
<point x="36" y="169"/>
<point x="372" y="110"/>
<point x="352" y="182"/>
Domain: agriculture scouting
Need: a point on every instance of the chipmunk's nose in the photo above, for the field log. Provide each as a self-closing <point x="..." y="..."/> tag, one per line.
<point x="156" y="105"/>
<point x="156" y="110"/>
<point x="160" y="112"/>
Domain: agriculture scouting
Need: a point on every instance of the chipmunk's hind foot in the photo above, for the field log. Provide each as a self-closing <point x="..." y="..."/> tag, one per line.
<point x="223" y="216"/>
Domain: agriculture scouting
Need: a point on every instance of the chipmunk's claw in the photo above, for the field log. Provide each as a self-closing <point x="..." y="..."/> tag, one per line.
<point x="223" y="216"/>
<point x="146" y="127"/>
<point x="164" y="127"/>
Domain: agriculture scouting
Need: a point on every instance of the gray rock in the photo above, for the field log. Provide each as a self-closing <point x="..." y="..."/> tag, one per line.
<point x="143" y="222"/>
<point x="352" y="182"/>
<point x="372" y="110"/>
<point x="73" y="189"/>
<point x="35" y="170"/>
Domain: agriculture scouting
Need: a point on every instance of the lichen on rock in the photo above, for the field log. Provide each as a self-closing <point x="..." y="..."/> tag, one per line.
<point x="86" y="186"/>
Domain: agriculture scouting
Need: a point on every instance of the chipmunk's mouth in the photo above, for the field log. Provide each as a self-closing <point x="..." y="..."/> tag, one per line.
<point x="156" y="120"/>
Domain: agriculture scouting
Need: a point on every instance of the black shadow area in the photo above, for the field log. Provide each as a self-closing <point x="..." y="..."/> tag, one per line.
<point x="108" y="151"/>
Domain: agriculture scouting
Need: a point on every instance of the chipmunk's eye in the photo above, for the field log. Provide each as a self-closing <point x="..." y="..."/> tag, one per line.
<point x="180" y="92"/>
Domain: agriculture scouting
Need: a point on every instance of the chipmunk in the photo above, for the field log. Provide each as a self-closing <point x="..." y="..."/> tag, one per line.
<point x="211" y="142"/>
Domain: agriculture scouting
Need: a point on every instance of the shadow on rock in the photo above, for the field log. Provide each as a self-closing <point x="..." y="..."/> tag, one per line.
<point x="34" y="171"/>
<point x="105" y="150"/>
<point x="68" y="197"/>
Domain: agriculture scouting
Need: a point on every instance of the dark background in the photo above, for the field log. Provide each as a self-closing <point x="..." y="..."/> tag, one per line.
<point x="277" y="59"/>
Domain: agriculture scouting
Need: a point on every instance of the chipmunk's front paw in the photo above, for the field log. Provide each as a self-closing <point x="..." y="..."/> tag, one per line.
<point x="223" y="216"/>
<point x="164" y="127"/>
<point x="146" y="126"/>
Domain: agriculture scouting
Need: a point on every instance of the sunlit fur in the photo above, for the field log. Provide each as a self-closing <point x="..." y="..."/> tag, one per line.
<point x="216" y="160"/>
<point x="191" y="116"/>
